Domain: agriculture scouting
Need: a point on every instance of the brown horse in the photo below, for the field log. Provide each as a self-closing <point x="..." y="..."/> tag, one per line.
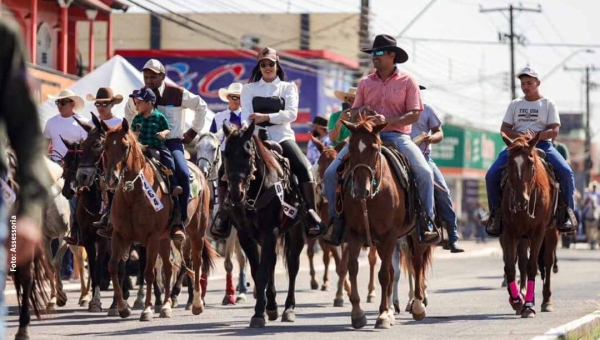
<point x="375" y="211"/>
<point x="527" y="210"/>
<point x="137" y="217"/>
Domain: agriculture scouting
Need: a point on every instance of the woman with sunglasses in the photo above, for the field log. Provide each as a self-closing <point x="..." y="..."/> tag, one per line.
<point x="272" y="103"/>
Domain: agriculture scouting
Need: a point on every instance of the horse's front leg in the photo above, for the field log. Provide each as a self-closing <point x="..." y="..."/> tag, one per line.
<point x="418" y="261"/>
<point x="522" y="259"/>
<point x="167" y="269"/>
<point x="341" y="268"/>
<point x="551" y="242"/>
<point x="118" y="249"/>
<point x="61" y="297"/>
<point x="295" y="242"/>
<point x="241" y="259"/>
<point x="327" y="254"/>
<point x="385" y="251"/>
<point x="53" y="283"/>
<point x="357" y="316"/>
<point x="310" y="252"/>
<point x="152" y="248"/>
<point x="532" y="268"/>
<point x="509" y="247"/>
<point x="84" y="297"/>
<point x="372" y="262"/>
<point x="229" y="298"/>
<point x="396" y="266"/>
<point x="266" y="271"/>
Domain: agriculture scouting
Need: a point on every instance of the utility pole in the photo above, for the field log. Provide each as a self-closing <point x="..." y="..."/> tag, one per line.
<point x="588" y="164"/>
<point x="511" y="36"/>
<point x="363" y="39"/>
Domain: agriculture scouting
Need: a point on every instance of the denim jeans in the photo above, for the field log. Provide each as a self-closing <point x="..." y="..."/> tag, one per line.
<point x="330" y="179"/>
<point x="443" y="201"/>
<point x="562" y="169"/>
<point x="182" y="173"/>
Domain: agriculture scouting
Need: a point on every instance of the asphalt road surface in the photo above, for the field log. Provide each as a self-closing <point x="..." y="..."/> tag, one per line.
<point x="465" y="302"/>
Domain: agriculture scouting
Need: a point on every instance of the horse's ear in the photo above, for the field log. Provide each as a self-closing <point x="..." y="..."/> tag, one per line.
<point x="125" y="126"/>
<point x="104" y="126"/>
<point x="351" y="126"/>
<point x="68" y="144"/>
<point x="87" y="127"/>
<point x="338" y="148"/>
<point x="533" y="141"/>
<point x="317" y="143"/>
<point x="378" y="128"/>
<point x="506" y="140"/>
<point x="96" y="121"/>
<point x="227" y="128"/>
<point x="249" y="131"/>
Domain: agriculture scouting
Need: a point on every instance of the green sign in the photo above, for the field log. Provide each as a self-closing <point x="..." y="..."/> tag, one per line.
<point x="467" y="148"/>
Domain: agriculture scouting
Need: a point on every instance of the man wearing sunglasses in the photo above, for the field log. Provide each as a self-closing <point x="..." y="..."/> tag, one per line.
<point x="233" y="115"/>
<point x="105" y="101"/>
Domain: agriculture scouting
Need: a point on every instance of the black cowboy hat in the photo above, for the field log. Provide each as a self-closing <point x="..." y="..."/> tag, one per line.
<point x="388" y="43"/>
<point x="421" y="87"/>
<point x="320" y="122"/>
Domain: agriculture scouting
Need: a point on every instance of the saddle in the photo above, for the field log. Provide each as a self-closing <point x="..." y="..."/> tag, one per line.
<point x="162" y="173"/>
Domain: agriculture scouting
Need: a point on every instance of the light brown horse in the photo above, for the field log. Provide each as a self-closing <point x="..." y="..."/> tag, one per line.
<point x="527" y="210"/>
<point x="375" y="211"/>
<point x="135" y="219"/>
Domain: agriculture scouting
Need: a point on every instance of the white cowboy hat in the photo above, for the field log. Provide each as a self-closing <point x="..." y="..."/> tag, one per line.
<point x="68" y="94"/>
<point x="341" y="95"/>
<point x="234" y="88"/>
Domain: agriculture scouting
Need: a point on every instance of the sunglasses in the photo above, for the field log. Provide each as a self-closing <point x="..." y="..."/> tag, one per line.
<point x="234" y="97"/>
<point x="267" y="64"/>
<point x="63" y="102"/>
<point x="106" y="104"/>
<point x="378" y="53"/>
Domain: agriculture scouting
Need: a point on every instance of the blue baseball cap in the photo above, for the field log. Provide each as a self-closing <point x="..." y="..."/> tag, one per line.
<point x="144" y="94"/>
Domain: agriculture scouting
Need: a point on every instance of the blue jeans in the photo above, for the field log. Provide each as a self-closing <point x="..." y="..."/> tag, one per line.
<point x="420" y="169"/>
<point x="182" y="174"/>
<point x="443" y="201"/>
<point x="563" y="172"/>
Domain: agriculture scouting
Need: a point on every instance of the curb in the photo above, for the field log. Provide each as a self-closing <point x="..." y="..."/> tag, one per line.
<point x="582" y="325"/>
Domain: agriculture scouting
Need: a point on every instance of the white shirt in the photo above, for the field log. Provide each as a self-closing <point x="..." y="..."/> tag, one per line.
<point x="176" y="114"/>
<point x="68" y="128"/>
<point x="113" y="122"/>
<point x="534" y="115"/>
<point x="220" y="118"/>
<point x="282" y="129"/>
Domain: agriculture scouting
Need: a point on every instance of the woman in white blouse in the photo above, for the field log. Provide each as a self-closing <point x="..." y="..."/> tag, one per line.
<point x="272" y="104"/>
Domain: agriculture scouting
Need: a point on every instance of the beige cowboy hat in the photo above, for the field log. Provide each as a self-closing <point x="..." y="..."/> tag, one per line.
<point x="105" y="94"/>
<point x="592" y="184"/>
<point x="68" y="94"/>
<point x="341" y="95"/>
<point x="234" y="88"/>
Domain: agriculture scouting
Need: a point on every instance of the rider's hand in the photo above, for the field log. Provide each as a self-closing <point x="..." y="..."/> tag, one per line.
<point x="346" y="115"/>
<point x="379" y="119"/>
<point x="160" y="135"/>
<point x="529" y="133"/>
<point x="259" y="117"/>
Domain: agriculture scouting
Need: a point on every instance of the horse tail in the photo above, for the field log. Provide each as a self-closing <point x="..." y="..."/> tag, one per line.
<point x="208" y="257"/>
<point x="427" y="259"/>
<point x="40" y="277"/>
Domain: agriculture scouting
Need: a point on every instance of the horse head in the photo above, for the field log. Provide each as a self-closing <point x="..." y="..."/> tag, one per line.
<point x="365" y="154"/>
<point x="93" y="147"/>
<point x="523" y="162"/>
<point x="240" y="154"/>
<point x="70" y="162"/>
<point x="208" y="155"/>
<point x="119" y="144"/>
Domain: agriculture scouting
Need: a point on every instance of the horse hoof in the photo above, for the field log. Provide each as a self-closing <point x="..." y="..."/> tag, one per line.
<point x="84" y="303"/>
<point x="408" y="307"/>
<point x="425" y="302"/>
<point x="188" y="306"/>
<point x="174" y="302"/>
<point x="146" y="314"/>
<point x="517" y="307"/>
<point x="314" y="285"/>
<point x="198" y="310"/>
<point x="383" y="323"/>
<point x="371" y="297"/>
<point x="165" y="312"/>
<point x="338" y="303"/>
<point x="95" y="308"/>
<point x="547" y="307"/>
<point x="359" y="322"/>
<point x="158" y="307"/>
<point x="50" y="307"/>
<point x="139" y="303"/>
<point x="228" y="300"/>
<point x="60" y="302"/>
<point x="21" y="336"/>
<point x="125" y="313"/>
<point x="257" y="322"/>
<point x="396" y="307"/>
<point x="241" y="298"/>
<point x="272" y="314"/>
<point x="555" y="269"/>
<point x="325" y="288"/>
<point x="528" y="312"/>
<point x="112" y="312"/>
<point x="419" y="317"/>
<point x="288" y="316"/>
<point x="392" y="318"/>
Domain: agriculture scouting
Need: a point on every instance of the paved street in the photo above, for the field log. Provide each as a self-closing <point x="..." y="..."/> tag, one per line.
<point x="465" y="302"/>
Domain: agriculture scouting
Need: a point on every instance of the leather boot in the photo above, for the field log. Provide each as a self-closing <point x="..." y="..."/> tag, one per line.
<point x="176" y="190"/>
<point x="177" y="231"/>
<point x="569" y="222"/>
<point x="309" y="192"/>
<point x="74" y="239"/>
<point x="335" y="232"/>
<point x="221" y="226"/>
<point x="493" y="226"/>
<point x="428" y="237"/>
<point x="106" y="232"/>
<point x="103" y="222"/>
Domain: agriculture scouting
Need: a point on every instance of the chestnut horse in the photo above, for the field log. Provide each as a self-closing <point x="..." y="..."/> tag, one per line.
<point x="137" y="216"/>
<point x="375" y="211"/>
<point x="527" y="213"/>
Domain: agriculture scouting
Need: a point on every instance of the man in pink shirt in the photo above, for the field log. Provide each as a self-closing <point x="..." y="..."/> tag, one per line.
<point x="395" y="96"/>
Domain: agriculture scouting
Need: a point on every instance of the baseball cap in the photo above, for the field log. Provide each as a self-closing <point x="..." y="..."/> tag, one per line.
<point x="267" y="53"/>
<point x="528" y="71"/>
<point x="154" y="66"/>
<point x="144" y="94"/>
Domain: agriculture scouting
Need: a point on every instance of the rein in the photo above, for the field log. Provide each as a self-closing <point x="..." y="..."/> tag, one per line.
<point x="533" y="191"/>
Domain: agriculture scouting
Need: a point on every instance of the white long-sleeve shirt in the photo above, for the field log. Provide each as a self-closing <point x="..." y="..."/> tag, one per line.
<point x="282" y="129"/>
<point x="176" y="114"/>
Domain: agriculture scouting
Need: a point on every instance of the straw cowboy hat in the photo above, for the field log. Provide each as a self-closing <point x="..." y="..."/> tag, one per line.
<point x="341" y="95"/>
<point x="105" y="94"/>
<point x="68" y="94"/>
<point x="234" y="88"/>
<point x="384" y="42"/>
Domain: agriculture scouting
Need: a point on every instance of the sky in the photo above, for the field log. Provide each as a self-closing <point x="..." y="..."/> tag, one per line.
<point x="467" y="82"/>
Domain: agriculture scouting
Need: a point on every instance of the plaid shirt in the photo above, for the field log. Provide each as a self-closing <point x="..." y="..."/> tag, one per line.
<point x="155" y="123"/>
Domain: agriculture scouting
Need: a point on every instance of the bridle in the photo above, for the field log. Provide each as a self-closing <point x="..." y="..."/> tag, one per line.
<point x="372" y="173"/>
<point x="529" y="208"/>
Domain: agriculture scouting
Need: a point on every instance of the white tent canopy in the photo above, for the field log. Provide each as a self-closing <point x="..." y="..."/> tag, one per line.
<point x="122" y="77"/>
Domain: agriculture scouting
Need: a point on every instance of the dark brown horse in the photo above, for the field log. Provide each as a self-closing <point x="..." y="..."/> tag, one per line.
<point x="527" y="210"/>
<point x="375" y="213"/>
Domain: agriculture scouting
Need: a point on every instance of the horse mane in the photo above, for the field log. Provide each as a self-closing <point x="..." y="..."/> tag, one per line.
<point x="367" y="124"/>
<point x="137" y="149"/>
<point x="267" y="157"/>
<point x="541" y="178"/>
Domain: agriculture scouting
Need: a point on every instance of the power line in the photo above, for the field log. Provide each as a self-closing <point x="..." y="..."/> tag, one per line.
<point x="489" y="42"/>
